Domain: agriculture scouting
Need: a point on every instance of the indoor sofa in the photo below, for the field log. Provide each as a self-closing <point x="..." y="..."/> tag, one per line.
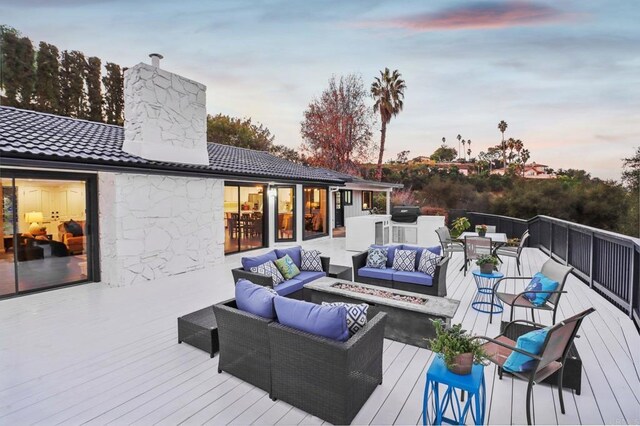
<point x="292" y="288"/>
<point x="417" y="282"/>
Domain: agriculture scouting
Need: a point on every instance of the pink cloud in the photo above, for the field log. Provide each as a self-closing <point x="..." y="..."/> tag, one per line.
<point x="486" y="15"/>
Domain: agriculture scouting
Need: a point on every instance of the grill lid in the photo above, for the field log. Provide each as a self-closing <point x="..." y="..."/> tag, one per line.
<point x="406" y="214"/>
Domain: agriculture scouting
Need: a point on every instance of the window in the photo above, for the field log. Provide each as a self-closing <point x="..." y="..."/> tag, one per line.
<point x="347" y="199"/>
<point x="367" y="200"/>
<point x="285" y="213"/>
<point x="315" y="212"/>
<point x="243" y="217"/>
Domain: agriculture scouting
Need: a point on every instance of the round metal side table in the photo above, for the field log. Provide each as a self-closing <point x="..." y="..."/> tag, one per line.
<point x="482" y="300"/>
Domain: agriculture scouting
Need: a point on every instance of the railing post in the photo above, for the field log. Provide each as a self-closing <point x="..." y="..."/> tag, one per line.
<point x="566" y="250"/>
<point x="551" y="239"/>
<point x="591" y="259"/>
<point x="631" y="280"/>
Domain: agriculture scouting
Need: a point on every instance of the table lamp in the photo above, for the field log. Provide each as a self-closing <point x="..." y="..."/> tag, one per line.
<point x="34" y="218"/>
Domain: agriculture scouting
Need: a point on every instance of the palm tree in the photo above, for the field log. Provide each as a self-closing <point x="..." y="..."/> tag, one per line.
<point x="464" y="143"/>
<point x="388" y="93"/>
<point x="524" y="157"/>
<point x="518" y="145"/>
<point x="469" y="145"/>
<point x="502" y="126"/>
<point x="469" y="153"/>
<point x="511" y="144"/>
<point x="459" y="137"/>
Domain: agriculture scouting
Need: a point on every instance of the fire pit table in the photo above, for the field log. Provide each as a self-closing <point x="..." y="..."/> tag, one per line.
<point x="408" y="314"/>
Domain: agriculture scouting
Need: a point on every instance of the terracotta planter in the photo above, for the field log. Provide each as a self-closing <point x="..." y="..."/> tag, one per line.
<point x="487" y="268"/>
<point x="462" y="364"/>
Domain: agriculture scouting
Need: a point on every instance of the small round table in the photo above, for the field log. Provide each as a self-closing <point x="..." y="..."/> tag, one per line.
<point x="482" y="300"/>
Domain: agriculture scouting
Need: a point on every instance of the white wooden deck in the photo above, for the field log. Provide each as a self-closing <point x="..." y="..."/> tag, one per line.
<point x="94" y="354"/>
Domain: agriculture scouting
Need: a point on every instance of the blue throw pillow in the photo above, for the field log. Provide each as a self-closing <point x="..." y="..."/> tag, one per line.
<point x="252" y="262"/>
<point x="531" y="342"/>
<point x="540" y="283"/>
<point x="391" y="252"/>
<point x="295" y="253"/>
<point x="324" y="321"/>
<point x="434" y="250"/>
<point x="255" y="299"/>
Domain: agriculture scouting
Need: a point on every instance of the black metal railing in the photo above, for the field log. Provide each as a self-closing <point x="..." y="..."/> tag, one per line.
<point x="608" y="262"/>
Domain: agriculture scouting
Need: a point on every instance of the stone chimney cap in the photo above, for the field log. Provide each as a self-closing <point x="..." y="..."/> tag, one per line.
<point x="155" y="59"/>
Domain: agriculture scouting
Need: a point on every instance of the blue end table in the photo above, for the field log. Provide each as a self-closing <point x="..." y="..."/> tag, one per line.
<point x="472" y="383"/>
<point x="482" y="302"/>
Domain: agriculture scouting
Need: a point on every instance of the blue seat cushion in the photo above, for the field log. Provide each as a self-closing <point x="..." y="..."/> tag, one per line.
<point x="308" y="276"/>
<point x="414" y="277"/>
<point x="436" y="250"/>
<point x="255" y="261"/>
<point x="381" y="274"/>
<point x="287" y="287"/>
<point x="540" y="283"/>
<point x="295" y="253"/>
<point x="321" y="320"/>
<point x="255" y="299"/>
<point x="531" y="342"/>
<point x="391" y="252"/>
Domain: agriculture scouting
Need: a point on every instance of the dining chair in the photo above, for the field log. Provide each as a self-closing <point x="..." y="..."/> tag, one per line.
<point x="449" y="246"/>
<point x="514" y="252"/>
<point x="474" y="247"/>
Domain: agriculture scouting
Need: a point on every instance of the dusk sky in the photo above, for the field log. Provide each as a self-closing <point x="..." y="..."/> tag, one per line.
<point x="565" y="75"/>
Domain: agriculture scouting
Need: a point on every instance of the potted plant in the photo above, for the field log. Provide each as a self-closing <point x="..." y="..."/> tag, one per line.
<point x="459" y="349"/>
<point x="487" y="263"/>
<point x="481" y="230"/>
<point x="459" y="225"/>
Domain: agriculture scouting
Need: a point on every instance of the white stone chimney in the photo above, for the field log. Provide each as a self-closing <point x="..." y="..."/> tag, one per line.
<point x="165" y="117"/>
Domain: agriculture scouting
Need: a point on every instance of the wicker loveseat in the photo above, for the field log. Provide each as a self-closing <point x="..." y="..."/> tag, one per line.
<point x="416" y="282"/>
<point x="292" y="288"/>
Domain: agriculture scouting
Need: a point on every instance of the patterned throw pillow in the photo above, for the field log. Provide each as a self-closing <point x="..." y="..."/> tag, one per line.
<point x="311" y="261"/>
<point x="377" y="258"/>
<point x="287" y="267"/>
<point x="270" y="270"/>
<point x="428" y="262"/>
<point x="540" y="283"/>
<point x="405" y="260"/>
<point x="356" y="315"/>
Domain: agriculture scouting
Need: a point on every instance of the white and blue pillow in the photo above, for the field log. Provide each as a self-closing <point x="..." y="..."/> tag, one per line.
<point x="531" y="342"/>
<point x="270" y="270"/>
<point x="377" y="258"/>
<point x="311" y="261"/>
<point x="356" y="315"/>
<point x="539" y="282"/>
<point x="405" y="260"/>
<point x="428" y="262"/>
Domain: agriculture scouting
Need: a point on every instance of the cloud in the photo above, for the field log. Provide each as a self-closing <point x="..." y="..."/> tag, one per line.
<point x="477" y="16"/>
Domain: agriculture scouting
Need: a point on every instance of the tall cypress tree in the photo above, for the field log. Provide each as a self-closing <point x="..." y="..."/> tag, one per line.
<point x="65" y="83"/>
<point x="94" y="89"/>
<point x="47" y="78"/>
<point x="5" y="47"/>
<point x="18" y="72"/>
<point x="114" y="94"/>
<point x="73" y="101"/>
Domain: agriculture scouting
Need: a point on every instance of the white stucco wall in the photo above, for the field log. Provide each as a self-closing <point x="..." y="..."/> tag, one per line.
<point x="154" y="226"/>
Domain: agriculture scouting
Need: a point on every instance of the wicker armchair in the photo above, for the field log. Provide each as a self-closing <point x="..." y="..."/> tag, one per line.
<point x="244" y="345"/>
<point x="266" y="281"/>
<point x="328" y="379"/>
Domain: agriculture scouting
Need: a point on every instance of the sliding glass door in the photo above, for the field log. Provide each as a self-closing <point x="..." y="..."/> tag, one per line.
<point x="46" y="232"/>
<point x="285" y="213"/>
<point x="315" y="212"/>
<point x="244" y="223"/>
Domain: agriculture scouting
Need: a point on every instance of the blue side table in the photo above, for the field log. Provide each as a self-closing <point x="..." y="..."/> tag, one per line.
<point x="482" y="300"/>
<point x="472" y="383"/>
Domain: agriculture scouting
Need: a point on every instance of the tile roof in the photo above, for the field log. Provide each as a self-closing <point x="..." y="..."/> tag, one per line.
<point x="34" y="135"/>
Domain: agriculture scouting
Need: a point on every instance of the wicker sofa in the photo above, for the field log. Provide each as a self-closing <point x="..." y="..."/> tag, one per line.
<point x="433" y="286"/>
<point x="292" y="288"/>
<point x="328" y="379"/>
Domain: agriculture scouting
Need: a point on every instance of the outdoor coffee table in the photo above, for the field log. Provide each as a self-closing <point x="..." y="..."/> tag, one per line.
<point x="406" y="322"/>
<point x="341" y="272"/>
<point x="200" y="329"/>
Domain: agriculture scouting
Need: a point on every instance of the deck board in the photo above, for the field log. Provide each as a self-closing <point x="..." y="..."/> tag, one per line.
<point x="100" y="355"/>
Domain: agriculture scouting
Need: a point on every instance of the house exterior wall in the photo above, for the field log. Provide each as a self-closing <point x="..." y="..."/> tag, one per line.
<point x="154" y="226"/>
<point x="356" y="208"/>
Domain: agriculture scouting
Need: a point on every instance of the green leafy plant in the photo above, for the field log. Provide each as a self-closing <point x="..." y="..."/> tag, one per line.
<point x="459" y="225"/>
<point x="487" y="259"/>
<point x="453" y="341"/>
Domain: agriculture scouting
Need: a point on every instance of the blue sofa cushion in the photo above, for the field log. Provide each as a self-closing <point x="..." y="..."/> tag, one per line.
<point x="434" y="250"/>
<point x="255" y="299"/>
<point x="391" y="252"/>
<point x="413" y="278"/>
<point x="295" y="253"/>
<point x="531" y="342"/>
<point x="252" y="262"/>
<point x="356" y="315"/>
<point x="381" y="274"/>
<point x="289" y="286"/>
<point x="308" y="276"/>
<point x="321" y="320"/>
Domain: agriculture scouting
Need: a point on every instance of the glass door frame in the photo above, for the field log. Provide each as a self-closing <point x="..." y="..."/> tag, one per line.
<point x="265" y="213"/>
<point x="304" y="212"/>
<point x="92" y="222"/>
<point x="294" y="212"/>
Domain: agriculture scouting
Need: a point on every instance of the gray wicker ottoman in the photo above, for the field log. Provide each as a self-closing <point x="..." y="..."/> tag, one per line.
<point x="200" y="329"/>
